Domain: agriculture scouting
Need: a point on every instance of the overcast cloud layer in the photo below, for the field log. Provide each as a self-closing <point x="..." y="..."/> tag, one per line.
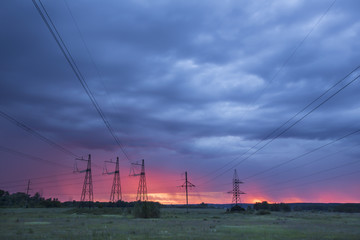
<point x="188" y="86"/>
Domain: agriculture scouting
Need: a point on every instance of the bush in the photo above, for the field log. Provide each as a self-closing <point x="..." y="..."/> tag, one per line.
<point x="261" y="206"/>
<point x="263" y="212"/>
<point x="146" y="210"/>
<point x="237" y="208"/>
<point x="285" y="207"/>
<point x="280" y="207"/>
<point x="249" y="210"/>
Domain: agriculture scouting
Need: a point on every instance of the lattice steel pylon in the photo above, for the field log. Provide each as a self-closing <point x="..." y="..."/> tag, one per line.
<point x="115" y="194"/>
<point x="142" y="189"/>
<point x="236" y="189"/>
<point x="87" y="191"/>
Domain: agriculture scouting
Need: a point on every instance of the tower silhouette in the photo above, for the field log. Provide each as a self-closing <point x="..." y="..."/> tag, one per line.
<point x="142" y="189"/>
<point x="28" y="187"/>
<point x="236" y="189"/>
<point x="187" y="185"/>
<point x="27" y="194"/>
<point x="87" y="190"/>
<point x="115" y="194"/>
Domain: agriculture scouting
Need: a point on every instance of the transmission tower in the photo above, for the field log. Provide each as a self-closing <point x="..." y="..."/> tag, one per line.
<point x="28" y="187"/>
<point x="116" y="186"/>
<point x="87" y="191"/>
<point x="236" y="189"/>
<point x="27" y="194"/>
<point x="187" y="185"/>
<point x="142" y="189"/>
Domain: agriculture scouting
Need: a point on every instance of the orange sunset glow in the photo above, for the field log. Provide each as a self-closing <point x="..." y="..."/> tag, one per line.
<point x="169" y="192"/>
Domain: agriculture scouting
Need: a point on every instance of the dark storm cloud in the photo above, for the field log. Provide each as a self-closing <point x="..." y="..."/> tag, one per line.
<point x="202" y="80"/>
<point x="152" y="40"/>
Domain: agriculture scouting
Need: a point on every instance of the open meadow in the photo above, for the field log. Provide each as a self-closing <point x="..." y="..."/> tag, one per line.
<point x="42" y="223"/>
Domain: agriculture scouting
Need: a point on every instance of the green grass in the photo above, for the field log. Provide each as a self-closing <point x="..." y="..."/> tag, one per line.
<point x="98" y="224"/>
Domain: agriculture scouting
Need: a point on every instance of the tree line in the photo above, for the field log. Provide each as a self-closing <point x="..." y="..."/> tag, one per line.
<point x="325" y="207"/>
<point x="21" y="199"/>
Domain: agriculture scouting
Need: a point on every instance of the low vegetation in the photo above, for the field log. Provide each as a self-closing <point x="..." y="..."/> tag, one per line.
<point x="174" y="223"/>
<point x="275" y="207"/>
<point x="33" y="217"/>
<point x="146" y="210"/>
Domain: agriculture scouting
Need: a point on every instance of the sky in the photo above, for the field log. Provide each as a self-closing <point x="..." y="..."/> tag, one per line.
<point x="268" y="88"/>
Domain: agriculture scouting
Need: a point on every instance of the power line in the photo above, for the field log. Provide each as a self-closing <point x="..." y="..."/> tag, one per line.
<point x="18" y="183"/>
<point x="57" y="37"/>
<point x="35" y="133"/>
<point x="315" y="181"/>
<point x="88" y="52"/>
<point x="293" y="124"/>
<point x="32" y="178"/>
<point x="303" y="40"/>
<point x="274" y="77"/>
<point x="302" y="155"/>
<point x="311" y="182"/>
<point x="309" y="163"/>
<point x="289" y="120"/>
<point x="46" y="182"/>
<point x="28" y="156"/>
<point x="318" y="172"/>
<point x="56" y="183"/>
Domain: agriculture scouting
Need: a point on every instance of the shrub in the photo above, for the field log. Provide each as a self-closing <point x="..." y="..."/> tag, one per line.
<point x="276" y="207"/>
<point x="146" y="210"/>
<point x="263" y="205"/>
<point x="237" y="208"/>
<point x="263" y="212"/>
<point x="285" y="207"/>
<point x="249" y="210"/>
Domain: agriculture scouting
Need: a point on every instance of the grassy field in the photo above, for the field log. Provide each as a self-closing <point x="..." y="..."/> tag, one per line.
<point x="175" y="224"/>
